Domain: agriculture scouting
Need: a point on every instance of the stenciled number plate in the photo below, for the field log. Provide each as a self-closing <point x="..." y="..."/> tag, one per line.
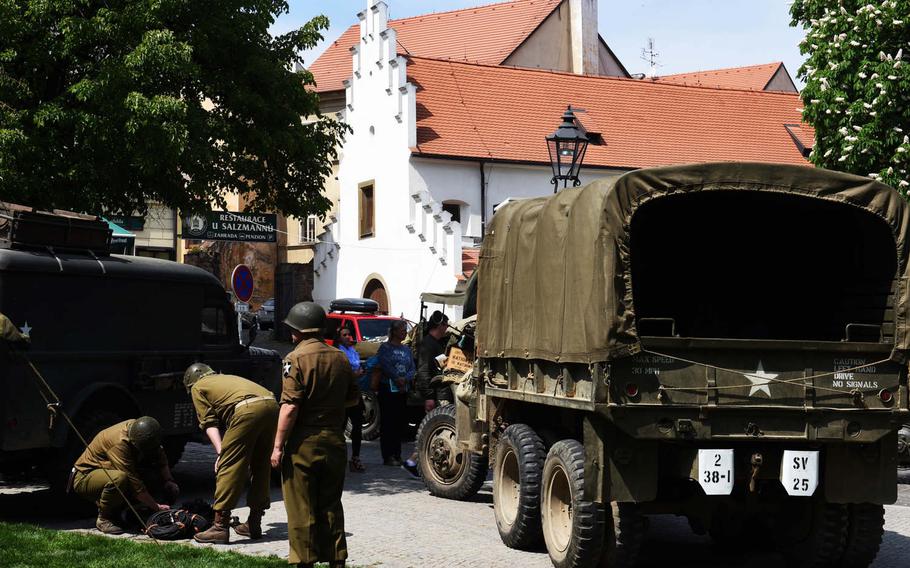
<point x="715" y="471"/>
<point x="799" y="472"/>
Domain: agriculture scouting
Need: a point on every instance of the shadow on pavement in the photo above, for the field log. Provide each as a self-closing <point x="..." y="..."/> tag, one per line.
<point x="894" y="550"/>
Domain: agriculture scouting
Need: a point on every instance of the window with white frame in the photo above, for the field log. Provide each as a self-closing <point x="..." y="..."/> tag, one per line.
<point x="308" y="229"/>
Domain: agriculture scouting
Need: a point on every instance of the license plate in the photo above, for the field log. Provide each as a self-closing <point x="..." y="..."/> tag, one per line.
<point x="799" y="473"/>
<point x="715" y="471"/>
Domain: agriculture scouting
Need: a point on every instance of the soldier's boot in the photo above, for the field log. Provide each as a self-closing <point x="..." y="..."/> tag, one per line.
<point x="106" y="525"/>
<point x="219" y="532"/>
<point x="252" y="528"/>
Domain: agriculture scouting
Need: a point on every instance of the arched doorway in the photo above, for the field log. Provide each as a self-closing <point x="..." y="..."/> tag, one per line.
<point x="375" y="290"/>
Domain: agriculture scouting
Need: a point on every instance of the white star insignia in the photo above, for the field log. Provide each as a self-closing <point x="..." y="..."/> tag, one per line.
<point x="25" y="329"/>
<point x="287" y="368"/>
<point x="760" y="381"/>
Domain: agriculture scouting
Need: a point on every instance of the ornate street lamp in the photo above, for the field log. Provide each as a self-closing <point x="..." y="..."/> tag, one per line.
<point x="567" y="147"/>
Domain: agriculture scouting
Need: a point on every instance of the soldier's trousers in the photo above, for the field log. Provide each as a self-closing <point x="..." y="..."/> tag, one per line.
<point x="312" y="479"/>
<point x="245" y="453"/>
<point x="101" y="486"/>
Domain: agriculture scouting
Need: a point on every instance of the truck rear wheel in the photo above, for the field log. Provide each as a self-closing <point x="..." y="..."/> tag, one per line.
<point x="815" y="533"/>
<point x="573" y="528"/>
<point x="865" y="527"/>
<point x="624" y="534"/>
<point x="447" y="470"/>
<point x="517" y="473"/>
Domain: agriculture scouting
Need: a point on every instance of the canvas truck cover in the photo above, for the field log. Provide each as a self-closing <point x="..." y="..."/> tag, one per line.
<point x="556" y="281"/>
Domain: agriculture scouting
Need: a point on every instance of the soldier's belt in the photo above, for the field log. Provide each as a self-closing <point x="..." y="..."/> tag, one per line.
<point x="247" y="401"/>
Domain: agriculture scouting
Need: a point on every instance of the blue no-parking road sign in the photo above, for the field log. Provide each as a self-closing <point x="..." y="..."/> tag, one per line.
<point x="242" y="282"/>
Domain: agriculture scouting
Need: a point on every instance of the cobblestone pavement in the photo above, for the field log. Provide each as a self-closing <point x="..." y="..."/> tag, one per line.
<point x="392" y="522"/>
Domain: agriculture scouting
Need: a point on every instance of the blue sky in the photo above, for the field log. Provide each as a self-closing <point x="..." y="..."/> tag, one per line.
<point x="689" y="35"/>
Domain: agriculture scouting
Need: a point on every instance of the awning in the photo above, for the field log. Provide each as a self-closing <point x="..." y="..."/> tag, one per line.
<point x="447" y="298"/>
<point x="122" y="241"/>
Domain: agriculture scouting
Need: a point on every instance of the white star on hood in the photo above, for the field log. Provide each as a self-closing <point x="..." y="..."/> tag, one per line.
<point x="25" y="329"/>
<point x="760" y="380"/>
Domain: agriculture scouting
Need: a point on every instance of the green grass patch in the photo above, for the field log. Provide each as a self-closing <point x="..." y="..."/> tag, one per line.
<point x="29" y="546"/>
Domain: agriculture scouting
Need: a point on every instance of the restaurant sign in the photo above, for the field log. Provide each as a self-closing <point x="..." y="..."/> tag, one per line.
<point x="231" y="226"/>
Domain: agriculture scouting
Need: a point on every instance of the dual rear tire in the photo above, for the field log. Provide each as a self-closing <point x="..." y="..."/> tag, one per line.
<point x="538" y="496"/>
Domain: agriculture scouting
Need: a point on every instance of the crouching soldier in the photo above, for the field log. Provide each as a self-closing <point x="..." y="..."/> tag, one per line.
<point x="109" y="470"/>
<point x="309" y="448"/>
<point x="248" y="413"/>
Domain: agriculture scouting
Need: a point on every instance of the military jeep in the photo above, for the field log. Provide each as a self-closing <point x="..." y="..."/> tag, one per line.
<point x="111" y="334"/>
<point x="723" y="342"/>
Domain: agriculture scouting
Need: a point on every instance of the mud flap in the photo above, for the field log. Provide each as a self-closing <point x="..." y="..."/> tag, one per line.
<point x="873" y="472"/>
<point x="618" y="468"/>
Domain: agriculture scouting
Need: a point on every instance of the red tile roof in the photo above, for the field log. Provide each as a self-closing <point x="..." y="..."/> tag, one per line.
<point x="485" y="34"/>
<point x="504" y="113"/>
<point x="753" y="77"/>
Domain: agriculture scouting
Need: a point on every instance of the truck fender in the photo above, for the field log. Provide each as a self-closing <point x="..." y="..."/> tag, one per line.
<point x="125" y="404"/>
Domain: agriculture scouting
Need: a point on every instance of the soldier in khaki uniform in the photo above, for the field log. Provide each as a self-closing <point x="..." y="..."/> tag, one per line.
<point x="109" y="468"/>
<point x="248" y="413"/>
<point x="318" y="385"/>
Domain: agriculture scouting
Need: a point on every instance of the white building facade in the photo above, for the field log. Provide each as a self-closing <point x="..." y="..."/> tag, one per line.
<point x="395" y="227"/>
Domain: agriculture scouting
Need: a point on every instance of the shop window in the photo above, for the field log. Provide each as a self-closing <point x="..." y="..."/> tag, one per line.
<point x="367" y="211"/>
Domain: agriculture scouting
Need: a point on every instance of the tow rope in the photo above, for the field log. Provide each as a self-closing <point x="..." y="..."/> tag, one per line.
<point x="799" y="381"/>
<point x="55" y="405"/>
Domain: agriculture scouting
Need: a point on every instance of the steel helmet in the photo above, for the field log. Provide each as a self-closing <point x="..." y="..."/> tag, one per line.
<point x="195" y="372"/>
<point x="145" y="434"/>
<point x="306" y="317"/>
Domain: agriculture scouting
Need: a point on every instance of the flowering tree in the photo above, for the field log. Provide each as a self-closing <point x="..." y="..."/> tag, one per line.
<point x="857" y="93"/>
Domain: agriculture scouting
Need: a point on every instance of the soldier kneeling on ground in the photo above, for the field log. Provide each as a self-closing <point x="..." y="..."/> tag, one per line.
<point x="116" y="465"/>
<point x="249" y="414"/>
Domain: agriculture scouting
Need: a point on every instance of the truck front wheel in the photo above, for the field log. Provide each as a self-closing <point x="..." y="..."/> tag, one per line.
<point x="517" y="473"/>
<point x="370" y="428"/>
<point x="447" y="470"/>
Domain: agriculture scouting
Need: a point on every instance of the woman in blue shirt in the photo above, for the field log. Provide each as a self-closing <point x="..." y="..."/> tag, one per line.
<point x="392" y="378"/>
<point x="345" y="342"/>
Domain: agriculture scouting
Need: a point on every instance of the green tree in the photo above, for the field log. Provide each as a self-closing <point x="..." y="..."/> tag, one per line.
<point x="857" y="93"/>
<point x="111" y="104"/>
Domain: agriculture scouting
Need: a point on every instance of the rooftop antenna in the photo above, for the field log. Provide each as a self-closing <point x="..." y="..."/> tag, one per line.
<point x="648" y="54"/>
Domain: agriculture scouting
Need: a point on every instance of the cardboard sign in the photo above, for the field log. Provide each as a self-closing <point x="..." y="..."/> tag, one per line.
<point x="458" y="361"/>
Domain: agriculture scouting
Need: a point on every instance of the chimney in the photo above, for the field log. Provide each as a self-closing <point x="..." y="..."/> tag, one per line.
<point x="585" y="42"/>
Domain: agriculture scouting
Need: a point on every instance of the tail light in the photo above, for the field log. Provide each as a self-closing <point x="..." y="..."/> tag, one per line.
<point x="886" y="396"/>
<point x="631" y="390"/>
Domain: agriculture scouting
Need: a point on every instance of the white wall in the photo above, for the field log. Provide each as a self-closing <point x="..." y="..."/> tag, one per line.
<point x="380" y="108"/>
<point x="158" y="230"/>
<point x="460" y="180"/>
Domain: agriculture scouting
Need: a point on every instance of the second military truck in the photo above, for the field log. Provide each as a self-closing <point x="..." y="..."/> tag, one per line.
<point x="723" y="342"/>
<point x="112" y="335"/>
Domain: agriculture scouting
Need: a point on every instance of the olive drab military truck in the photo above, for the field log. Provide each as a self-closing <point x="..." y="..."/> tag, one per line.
<point x="724" y="342"/>
<point x="111" y="334"/>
